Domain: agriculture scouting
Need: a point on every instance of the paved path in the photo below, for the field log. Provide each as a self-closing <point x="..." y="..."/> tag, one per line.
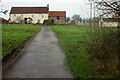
<point x="43" y="58"/>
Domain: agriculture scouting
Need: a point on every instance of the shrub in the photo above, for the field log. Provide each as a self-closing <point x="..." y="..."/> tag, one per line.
<point x="105" y="55"/>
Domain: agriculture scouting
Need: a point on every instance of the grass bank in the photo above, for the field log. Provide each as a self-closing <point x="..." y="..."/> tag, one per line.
<point x="104" y="52"/>
<point x="74" y="41"/>
<point x="14" y="35"/>
<point x="91" y="52"/>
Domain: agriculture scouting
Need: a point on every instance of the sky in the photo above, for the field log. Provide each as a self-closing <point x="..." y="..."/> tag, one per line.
<point x="71" y="7"/>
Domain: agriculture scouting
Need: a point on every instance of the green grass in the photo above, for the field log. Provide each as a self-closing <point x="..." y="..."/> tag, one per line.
<point x="83" y="44"/>
<point x="14" y="35"/>
<point x="74" y="41"/>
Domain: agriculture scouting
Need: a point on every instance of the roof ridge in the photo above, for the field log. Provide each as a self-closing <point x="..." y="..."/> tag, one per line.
<point x="21" y="10"/>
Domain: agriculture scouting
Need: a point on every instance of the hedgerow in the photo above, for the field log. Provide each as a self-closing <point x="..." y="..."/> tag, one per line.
<point x="104" y="53"/>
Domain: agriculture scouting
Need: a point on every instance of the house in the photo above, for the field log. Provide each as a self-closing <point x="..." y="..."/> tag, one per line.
<point x="29" y="14"/>
<point x="57" y="17"/>
<point x="109" y="22"/>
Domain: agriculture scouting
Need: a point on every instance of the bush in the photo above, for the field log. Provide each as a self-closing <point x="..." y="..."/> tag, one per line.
<point x="105" y="55"/>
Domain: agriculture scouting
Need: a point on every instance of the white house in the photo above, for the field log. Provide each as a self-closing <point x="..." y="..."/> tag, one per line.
<point x="37" y="14"/>
<point x="109" y="22"/>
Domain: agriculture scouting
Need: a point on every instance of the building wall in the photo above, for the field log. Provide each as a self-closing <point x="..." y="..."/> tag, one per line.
<point x="108" y="24"/>
<point x="103" y="23"/>
<point x="60" y="21"/>
<point x="20" y="17"/>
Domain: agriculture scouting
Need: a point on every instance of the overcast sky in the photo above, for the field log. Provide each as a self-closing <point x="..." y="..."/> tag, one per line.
<point x="72" y="7"/>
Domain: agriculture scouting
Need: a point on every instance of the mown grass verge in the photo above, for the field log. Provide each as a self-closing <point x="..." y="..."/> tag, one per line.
<point x="14" y="35"/>
<point x="74" y="41"/>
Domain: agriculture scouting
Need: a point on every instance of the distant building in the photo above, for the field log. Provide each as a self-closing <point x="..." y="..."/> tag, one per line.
<point x="109" y="22"/>
<point x="36" y="14"/>
<point x="57" y="17"/>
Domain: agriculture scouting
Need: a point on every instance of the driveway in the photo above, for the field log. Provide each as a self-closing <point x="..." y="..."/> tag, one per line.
<point x="42" y="58"/>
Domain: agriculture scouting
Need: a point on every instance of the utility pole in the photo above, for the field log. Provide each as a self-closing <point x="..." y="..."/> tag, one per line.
<point x="94" y="14"/>
<point x="92" y="8"/>
<point x="90" y="11"/>
<point x="90" y="14"/>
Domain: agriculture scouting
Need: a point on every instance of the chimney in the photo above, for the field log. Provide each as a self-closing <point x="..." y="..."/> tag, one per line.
<point x="48" y="6"/>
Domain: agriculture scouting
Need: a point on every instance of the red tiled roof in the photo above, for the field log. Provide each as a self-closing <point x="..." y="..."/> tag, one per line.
<point x="57" y="13"/>
<point x="23" y="10"/>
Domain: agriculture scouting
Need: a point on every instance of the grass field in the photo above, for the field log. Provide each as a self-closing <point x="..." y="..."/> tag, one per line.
<point x="14" y="35"/>
<point x="74" y="41"/>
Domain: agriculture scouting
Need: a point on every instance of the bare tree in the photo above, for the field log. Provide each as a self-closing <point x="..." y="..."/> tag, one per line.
<point x="109" y="8"/>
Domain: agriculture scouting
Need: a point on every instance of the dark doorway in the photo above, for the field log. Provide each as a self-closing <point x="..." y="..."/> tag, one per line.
<point x="58" y="17"/>
<point x="52" y="22"/>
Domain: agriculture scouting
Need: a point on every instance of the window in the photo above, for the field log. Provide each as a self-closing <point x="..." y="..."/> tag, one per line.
<point x="14" y="15"/>
<point x="58" y="17"/>
<point x="32" y="16"/>
<point x="42" y="16"/>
